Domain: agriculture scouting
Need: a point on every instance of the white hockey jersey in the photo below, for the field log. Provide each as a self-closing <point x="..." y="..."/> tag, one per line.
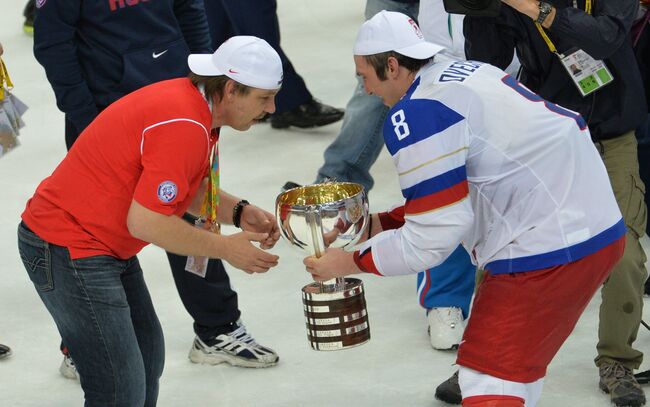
<point x="485" y="162"/>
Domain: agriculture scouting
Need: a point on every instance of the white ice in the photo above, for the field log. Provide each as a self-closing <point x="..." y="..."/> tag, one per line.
<point x="397" y="367"/>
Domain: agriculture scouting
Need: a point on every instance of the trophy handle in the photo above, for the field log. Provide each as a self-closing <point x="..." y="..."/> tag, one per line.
<point x="316" y="230"/>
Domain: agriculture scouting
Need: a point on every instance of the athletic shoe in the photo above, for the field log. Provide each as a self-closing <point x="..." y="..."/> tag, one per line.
<point x="237" y="348"/>
<point x="5" y="351"/>
<point x="310" y="114"/>
<point x="619" y="382"/>
<point x="446" y="327"/>
<point x="68" y="369"/>
<point x="28" y="13"/>
<point x="289" y="185"/>
<point x="449" y="390"/>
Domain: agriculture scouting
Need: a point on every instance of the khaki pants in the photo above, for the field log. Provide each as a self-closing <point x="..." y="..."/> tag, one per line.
<point x="622" y="293"/>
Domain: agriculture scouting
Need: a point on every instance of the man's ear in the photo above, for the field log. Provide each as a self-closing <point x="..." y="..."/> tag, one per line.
<point x="229" y="89"/>
<point x="392" y="67"/>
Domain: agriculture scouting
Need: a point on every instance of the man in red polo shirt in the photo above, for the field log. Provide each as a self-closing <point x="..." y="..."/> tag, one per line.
<point x="126" y="183"/>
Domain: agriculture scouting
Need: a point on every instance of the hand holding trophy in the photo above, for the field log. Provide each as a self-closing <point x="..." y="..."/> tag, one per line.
<point x="313" y="218"/>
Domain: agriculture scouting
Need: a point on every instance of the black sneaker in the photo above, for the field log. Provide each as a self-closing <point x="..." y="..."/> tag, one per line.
<point x="5" y="351"/>
<point x="449" y="390"/>
<point x="309" y="114"/>
<point x="289" y="185"/>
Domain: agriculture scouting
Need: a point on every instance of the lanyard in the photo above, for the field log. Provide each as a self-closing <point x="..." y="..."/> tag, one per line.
<point x="547" y="40"/>
<point x="210" y="205"/>
<point x="4" y="79"/>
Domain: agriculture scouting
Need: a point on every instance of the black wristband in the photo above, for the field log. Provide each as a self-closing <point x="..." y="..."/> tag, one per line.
<point x="237" y="211"/>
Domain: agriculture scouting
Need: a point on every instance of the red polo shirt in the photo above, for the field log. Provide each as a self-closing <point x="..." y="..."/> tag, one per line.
<point x="152" y="145"/>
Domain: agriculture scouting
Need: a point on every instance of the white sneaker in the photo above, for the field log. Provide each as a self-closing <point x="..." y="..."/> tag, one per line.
<point x="68" y="369"/>
<point x="237" y="348"/>
<point x="446" y="327"/>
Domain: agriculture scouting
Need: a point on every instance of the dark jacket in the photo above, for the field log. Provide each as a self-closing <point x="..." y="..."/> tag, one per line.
<point x="96" y="51"/>
<point x="611" y="111"/>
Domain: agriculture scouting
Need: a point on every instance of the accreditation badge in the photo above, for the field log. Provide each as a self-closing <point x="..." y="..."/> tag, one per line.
<point x="199" y="264"/>
<point x="588" y="74"/>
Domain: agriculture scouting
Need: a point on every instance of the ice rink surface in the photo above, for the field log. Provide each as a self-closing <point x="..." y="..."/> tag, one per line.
<point x="397" y="367"/>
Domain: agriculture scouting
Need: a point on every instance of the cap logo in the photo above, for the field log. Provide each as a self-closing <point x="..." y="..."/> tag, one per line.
<point x="416" y="29"/>
<point x="232" y="71"/>
<point x="167" y="191"/>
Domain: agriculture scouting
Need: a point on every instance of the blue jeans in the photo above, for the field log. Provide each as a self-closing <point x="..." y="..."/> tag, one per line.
<point x="103" y="311"/>
<point x="361" y="138"/>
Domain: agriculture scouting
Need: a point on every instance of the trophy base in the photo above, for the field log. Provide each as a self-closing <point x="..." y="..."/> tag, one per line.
<point x="336" y="319"/>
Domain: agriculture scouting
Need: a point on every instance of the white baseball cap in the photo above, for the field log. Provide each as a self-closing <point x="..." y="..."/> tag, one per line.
<point x="393" y="31"/>
<point x="248" y="60"/>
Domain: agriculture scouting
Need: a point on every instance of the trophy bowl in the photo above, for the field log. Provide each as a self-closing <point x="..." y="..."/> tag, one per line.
<point x="313" y="218"/>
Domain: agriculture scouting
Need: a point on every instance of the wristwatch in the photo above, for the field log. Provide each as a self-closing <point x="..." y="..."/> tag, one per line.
<point x="544" y="10"/>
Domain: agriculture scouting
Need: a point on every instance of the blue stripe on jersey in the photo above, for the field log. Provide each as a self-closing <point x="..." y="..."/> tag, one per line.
<point x="435" y="184"/>
<point x="414" y="120"/>
<point x="534" y="97"/>
<point x="561" y="256"/>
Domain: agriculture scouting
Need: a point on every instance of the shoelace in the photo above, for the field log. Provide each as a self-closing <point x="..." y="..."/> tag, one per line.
<point x="449" y="317"/>
<point x="617" y="370"/>
<point x="241" y="335"/>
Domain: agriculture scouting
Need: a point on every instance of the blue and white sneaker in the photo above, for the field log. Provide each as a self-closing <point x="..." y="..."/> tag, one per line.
<point x="237" y="348"/>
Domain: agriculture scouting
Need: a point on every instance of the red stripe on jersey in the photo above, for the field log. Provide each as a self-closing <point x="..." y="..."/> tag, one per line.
<point x="365" y="262"/>
<point x="437" y="200"/>
<point x="393" y="219"/>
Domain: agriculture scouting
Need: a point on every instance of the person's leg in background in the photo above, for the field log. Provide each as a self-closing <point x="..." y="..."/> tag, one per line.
<point x="359" y="142"/>
<point x="219" y="22"/>
<point x="103" y="311"/>
<point x="445" y="292"/>
<point x="212" y="303"/>
<point x="643" y="139"/>
<point x="295" y="105"/>
<point x="622" y="293"/>
<point x="361" y="139"/>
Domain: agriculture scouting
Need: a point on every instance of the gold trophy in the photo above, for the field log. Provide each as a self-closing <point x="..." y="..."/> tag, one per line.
<point x="312" y="218"/>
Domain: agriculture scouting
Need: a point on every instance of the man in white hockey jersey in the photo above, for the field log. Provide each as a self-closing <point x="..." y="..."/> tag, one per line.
<point x="485" y="162"/>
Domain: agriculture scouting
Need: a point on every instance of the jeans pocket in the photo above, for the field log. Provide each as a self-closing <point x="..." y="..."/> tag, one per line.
<point x="38" y="265"/>
<point x="95" y="263"/>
